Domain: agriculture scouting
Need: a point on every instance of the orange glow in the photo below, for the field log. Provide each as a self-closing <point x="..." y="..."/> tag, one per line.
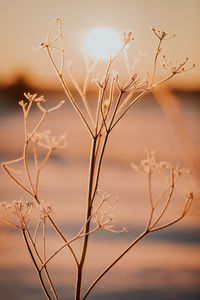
<point x="21" y="34"/>
<point x="102" y="43"/>
<point x="164" y="262"/>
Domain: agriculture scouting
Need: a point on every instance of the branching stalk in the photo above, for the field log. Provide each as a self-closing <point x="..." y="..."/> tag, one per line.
<point x="36" y="266"/>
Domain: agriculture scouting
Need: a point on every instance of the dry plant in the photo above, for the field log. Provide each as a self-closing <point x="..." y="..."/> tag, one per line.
<point x="114" y="100"/>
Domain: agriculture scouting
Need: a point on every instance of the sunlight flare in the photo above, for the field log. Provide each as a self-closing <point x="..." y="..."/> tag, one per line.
<point x="102" y="43"/>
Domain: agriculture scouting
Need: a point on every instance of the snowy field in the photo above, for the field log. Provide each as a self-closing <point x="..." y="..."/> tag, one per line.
<point x="165" y="265"/>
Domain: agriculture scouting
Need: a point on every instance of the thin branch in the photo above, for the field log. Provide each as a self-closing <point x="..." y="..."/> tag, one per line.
<point x="39" y="168"/>
<point x="67" y="91"/>
<point x="129" y="106"/>
<point x="150" y="188"/>
<point x="63" y="237"/>
<point x="29" y="137"/>
<point x="36" y="266"/>
<point x="141" y="236"/>
<point x="44" y="238"/>
<point x="45" y="269"/>
<point x="167" y="202"/>
<point x="150" y="198"/>
<point x="27" y="167"/>
<point x="82" y="93"/>
<point x="115" y="111"/>
<point x="185" y="210"/>
<point x="142" y="94"/>
<point x="36" y="231"/>
<point x="164" y="191"/>
<point x="155" y="61"/>
<point x="79" y="235"/>
<point x="15" y="180"/>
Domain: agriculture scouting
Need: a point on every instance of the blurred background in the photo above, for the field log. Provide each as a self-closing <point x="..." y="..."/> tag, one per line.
<point x="164" y="266"/>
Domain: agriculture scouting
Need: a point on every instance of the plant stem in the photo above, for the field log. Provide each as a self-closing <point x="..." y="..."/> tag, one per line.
<point x="67" y="92"/>
<point x="142" y="235"/>
<point x="88" y="219"/>
<point x="45" y="267"/>
<point x="36" y="266"/>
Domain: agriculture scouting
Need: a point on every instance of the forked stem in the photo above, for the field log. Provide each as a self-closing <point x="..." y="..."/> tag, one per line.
<point x="35" y="265"/>
<point x="141" y="236"/>
<point x="88" y="217"/>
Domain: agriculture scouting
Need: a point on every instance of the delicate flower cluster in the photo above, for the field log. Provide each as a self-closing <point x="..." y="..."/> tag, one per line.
<point x="127" y="36"/>
<point x="31" y="98"/>
<point x="46" y="140"/>
<point x="106" y="221"/>
<point x="34" y="98"/>
<point x="21" y="209"/>
<point x="46" y="209"/>
<point x="161" y="34"/>
<point x="176" y="68"/>
<point x="150" y="166"/>
<point x="178" y="171"/>
<point x="102" y="218"/>
<point x="105" y="198"/>
<point x="133" y="84"/>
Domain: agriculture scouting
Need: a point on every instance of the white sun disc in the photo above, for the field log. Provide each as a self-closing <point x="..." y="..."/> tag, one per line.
<point x="102" y="43"/>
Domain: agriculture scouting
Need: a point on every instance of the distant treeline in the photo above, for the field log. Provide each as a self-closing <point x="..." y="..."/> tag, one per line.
<point x="11" y="94"/>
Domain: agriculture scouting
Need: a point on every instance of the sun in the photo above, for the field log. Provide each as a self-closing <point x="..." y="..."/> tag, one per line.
<point x="102" y="43"/>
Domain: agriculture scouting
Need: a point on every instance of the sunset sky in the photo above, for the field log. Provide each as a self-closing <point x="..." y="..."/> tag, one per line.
<point x="166" y="264"/>
<point x="24" y="25"/>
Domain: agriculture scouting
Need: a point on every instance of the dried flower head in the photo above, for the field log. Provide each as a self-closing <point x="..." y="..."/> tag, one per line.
<point x="102" y="218"/>
<point x="46" y="140"/>
<point x="34" y="98"/>
<point x="176" y="68"/>
<point x="46" y="209"/>
<point x="105" y="198"/>
<point x="20" y="209"/>
<point x="128" y="36"/>
<point x="133" y="85"/>
<point x="161" y="35"/>
<point x="178" y="171"/>
<point x="106" y="221"/>
<point x="149" y="165"/>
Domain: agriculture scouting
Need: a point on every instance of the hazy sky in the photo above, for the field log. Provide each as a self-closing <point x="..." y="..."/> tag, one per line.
<point x="24" y="25"/>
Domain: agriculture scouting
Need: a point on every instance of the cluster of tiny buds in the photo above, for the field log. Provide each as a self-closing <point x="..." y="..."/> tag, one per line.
<point x="106" y="198"/>
<point x="127" y="36"/>
<point x="20" y="209"/>
<point x="178" y="171"/>
<point x="102" y="218"/>
<point x="105" y="221"/>
<point x="175" y="68"/>
<point x="161" y="34"/>
<point x="23" y="210"/>
<point x="150" y="166"/>
<point x="46" y="140"/>
<point x="38" y="100"/>
<point x="46" y="209"/>
<point x="34" y="98"/>
<point x="31" y="98"/>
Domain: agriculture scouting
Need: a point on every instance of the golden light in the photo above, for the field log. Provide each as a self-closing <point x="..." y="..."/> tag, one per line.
<point x="102" y="43"/>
